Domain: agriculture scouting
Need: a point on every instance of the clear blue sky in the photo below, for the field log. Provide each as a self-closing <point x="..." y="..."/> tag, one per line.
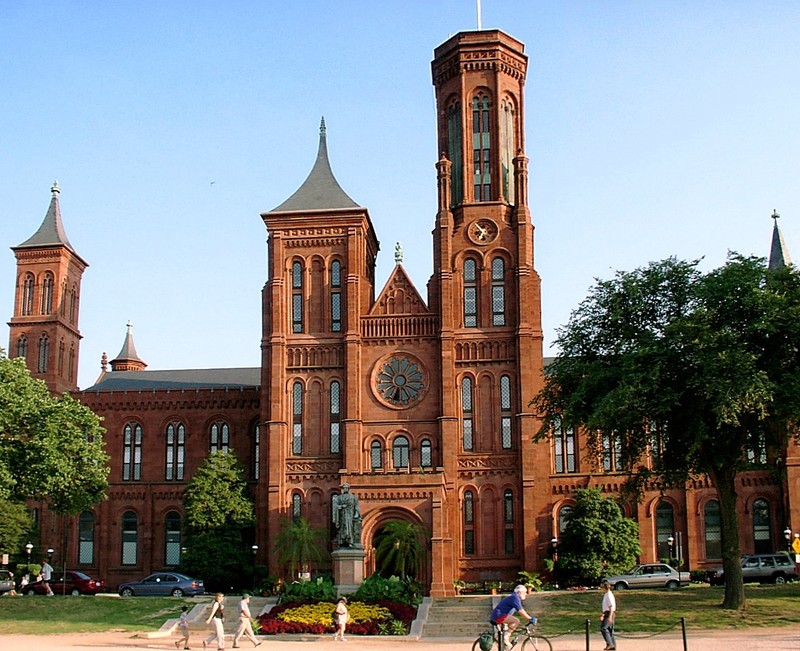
<point x="653" y="129"/>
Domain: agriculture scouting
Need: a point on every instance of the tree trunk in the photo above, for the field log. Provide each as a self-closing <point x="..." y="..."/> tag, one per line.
<point x="725" y="483"/>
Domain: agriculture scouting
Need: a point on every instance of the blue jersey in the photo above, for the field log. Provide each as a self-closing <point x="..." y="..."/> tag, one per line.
<point x="507" y="606"/>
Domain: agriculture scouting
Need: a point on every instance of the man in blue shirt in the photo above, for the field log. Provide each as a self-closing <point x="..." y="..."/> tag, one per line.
<point x="505" y="610"/>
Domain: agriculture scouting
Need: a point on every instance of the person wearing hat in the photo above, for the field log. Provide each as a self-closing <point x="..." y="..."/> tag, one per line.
<point x="245" y="622"/>
<point x="504" y="613"/>
<point x="340" y="617"/>
<point x="609" y="615"/>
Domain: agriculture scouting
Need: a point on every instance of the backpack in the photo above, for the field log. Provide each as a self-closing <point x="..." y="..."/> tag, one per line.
<point x="486" y="641"/>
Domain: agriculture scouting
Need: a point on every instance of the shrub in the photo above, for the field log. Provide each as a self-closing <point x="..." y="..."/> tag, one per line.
<point x="321" y="589"/>
<point x="377" y="587"/>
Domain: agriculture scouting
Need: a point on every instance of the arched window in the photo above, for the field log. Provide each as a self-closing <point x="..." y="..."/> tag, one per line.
<point x="172" y="538"/>
<point x="564" y="514"/>
<point x="469" y="522"/>
<point x="400" y="452"/>
<point x="713" y="529"/>
<point x="336" y="416"/>
<point x="71" y="363"/>
<point x="376" y="455"/>
<point x="297" y="418"/>
<point x="257" y="451"/>
<point x="297" y="507"/>
<point x="454" y="150"/>
<point x="508" y="521"/>
<point x="336" y="296"/>
<point x="219" y="437"/>
<point x="175" y="452"/>
<point x="47" y="293"/>
<point x="665" y="528"/>
<point x="22" y="347"/>
<point x="762" y="537"/>
<point x="426" y="453"/>
<point x="498" y="292"/>
<point x="563" y="448"/>
<point x="466" y="414"/>
<point x="508" y="148"/>
<point x="60" y="358"/>
<point x="28" y="285"/>
<point x="481" y="149"/>
<point x="470" y="293"/>
<point x="73" y="304"/>
<point x="132" y="452"/>
<point x="130" y="538"/>
<point x="505" y="412"/>
<point x="44" y="354"/>
<point x="297" y="297"/>
<point x="86" y="538"/>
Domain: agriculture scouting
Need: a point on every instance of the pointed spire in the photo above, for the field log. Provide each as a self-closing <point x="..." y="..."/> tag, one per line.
<point x="778" y="254"/>
<point x="128" y="359"/>
<point x="51" y="232"/>
<point x="320" y="190"/>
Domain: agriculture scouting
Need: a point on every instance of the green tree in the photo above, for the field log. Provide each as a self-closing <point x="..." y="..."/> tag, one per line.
<point x="401" y="549"/>
<point x="706" y="367"/>
<point x="598" y="540"/>
<point x="219" y="515"/>
<point x="299" y="545"/>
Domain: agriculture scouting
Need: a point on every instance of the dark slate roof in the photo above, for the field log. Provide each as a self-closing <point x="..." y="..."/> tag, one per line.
<point x="778" y="254"/>
<point x="176" y="380"/>
<point x="51" y="232"/>
<point x="128" y="351"/>
<point x="321" y="190"/>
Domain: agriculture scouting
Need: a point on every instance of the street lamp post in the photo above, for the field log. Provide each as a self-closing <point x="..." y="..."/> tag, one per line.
<point x="255" y="553"/>
<point x="29" y="549"/>
<point x="787" y="533"/>
<point x="670" y="542"/>
<point x="554" y="556"/>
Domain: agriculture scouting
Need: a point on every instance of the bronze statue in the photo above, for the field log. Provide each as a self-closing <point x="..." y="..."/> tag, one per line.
<point x="347" y="518"/>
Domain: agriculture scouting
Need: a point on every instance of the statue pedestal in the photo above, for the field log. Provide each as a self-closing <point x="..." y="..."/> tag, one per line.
<point x="348" y="569"/>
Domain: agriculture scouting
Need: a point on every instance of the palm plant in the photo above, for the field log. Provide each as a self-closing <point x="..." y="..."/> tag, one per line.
<point x="299" y="545"/>
<point x="401" y="549"/>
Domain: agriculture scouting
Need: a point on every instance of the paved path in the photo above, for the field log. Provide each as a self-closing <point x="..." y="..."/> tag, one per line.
<point x="772" y="639"/>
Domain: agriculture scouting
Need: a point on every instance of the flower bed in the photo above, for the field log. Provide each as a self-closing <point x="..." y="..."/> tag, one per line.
<point x="317" y="617"/>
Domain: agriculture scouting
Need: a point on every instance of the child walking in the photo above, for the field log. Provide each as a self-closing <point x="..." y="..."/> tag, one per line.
<point x="341" y="616"/>
<point x="183" y="629"/>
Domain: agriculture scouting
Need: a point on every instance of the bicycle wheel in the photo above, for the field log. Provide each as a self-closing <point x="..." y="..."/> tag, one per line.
<point x="536" y="642"/>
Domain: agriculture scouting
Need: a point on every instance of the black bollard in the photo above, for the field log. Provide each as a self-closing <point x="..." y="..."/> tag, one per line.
<point x="683" y="633"/>
<point x="587" y="635"/>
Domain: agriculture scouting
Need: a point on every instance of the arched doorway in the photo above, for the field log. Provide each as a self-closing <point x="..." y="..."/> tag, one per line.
<point x="398" y="544"/>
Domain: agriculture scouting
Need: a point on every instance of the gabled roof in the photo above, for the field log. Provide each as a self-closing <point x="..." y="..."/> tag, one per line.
<point x="778" y="254"/>
<point x="321" y="190"/>
<point x="177" y="380"/>
<point x="51" y="232"/>
<point x="399" y="296"/>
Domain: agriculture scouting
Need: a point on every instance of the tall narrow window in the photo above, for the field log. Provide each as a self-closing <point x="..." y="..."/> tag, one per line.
<point x="656" y="445"/>
<point x="47" y="293"/>
<point x="130" y="538"/>
<point x="498" y="292"/>
<point x="564" y="448"/>
<point x="336" y="296"/>
<point x="713" y="529"/>
<point x="22" y="347"/>
<point x="44" y="354"/>
<point x="336" y="416"/>
<point x="71" y="363"/>
<point x="86" y="538"/>
<point x="469" y="522"/>
<point x="665" y="528"/>
<point x="297" y="507"/>
<point x="505" y="412"/>
<point x="176" y="451"/>
<point x="297" y="418"/>
<point x="454" y="150"/>
<point x="257" y="451"/>
<point x="132" y="452"/>
<point x="762" y="538"/>
<point x="481" y="149"/>
<point x="563" y="518"/>
<point x="508" y="520"/>
<point x="400" y="452"/>
<point x="426" y="453"/>
<point x="612" y="452"/>
<point x="60" y="358"/>
<point x="470" y="294"/>
<point x="73" y="304"/>
<point x="219" y="437"/>
<point x="28" y="285"/>
<point x="757" y="449"/>
<point x="376" y="455"/>
<point x="297" y="297"/>
<point x="508" y="145"/>
<point x="466" y="415"/>
<point x="172" y="538"/>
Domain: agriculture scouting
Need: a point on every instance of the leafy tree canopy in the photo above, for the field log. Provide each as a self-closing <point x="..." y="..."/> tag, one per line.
<point x="299" y="544"/>
<point x="401" y="549"/>
<point x="217" y="495"/>
<point x="704" y="368"/>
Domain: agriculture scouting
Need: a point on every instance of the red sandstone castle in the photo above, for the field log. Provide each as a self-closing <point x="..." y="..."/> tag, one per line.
<point x="420" y="404"/>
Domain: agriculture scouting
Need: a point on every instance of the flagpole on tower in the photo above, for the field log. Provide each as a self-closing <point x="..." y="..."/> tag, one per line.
<point x="478" y="8"/>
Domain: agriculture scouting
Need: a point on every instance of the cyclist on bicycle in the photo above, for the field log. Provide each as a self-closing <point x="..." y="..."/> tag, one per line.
<point x="504" y="612"/>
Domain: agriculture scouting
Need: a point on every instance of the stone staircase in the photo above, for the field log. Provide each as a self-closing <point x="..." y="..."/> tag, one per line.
<point x="457" y="617"/>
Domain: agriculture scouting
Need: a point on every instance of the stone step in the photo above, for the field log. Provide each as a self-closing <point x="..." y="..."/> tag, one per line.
<point x="457" y="617"/>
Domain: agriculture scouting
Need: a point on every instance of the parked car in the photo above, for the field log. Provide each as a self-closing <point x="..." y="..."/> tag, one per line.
<point x="70" y="582"/>
<point x="761" y="568"/>
<point x="650" y="575"/>
<point x="163" y="584"/>
<point x="6" y="581"/>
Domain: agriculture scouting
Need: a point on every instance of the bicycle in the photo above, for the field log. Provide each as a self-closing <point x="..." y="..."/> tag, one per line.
<point x="528" y="640"/>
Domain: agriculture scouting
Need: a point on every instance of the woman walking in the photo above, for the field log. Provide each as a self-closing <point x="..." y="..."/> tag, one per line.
<point x="217" y="616"/>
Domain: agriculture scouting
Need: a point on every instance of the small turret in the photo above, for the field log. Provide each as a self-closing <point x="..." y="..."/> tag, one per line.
<point x="128" y="359"/>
